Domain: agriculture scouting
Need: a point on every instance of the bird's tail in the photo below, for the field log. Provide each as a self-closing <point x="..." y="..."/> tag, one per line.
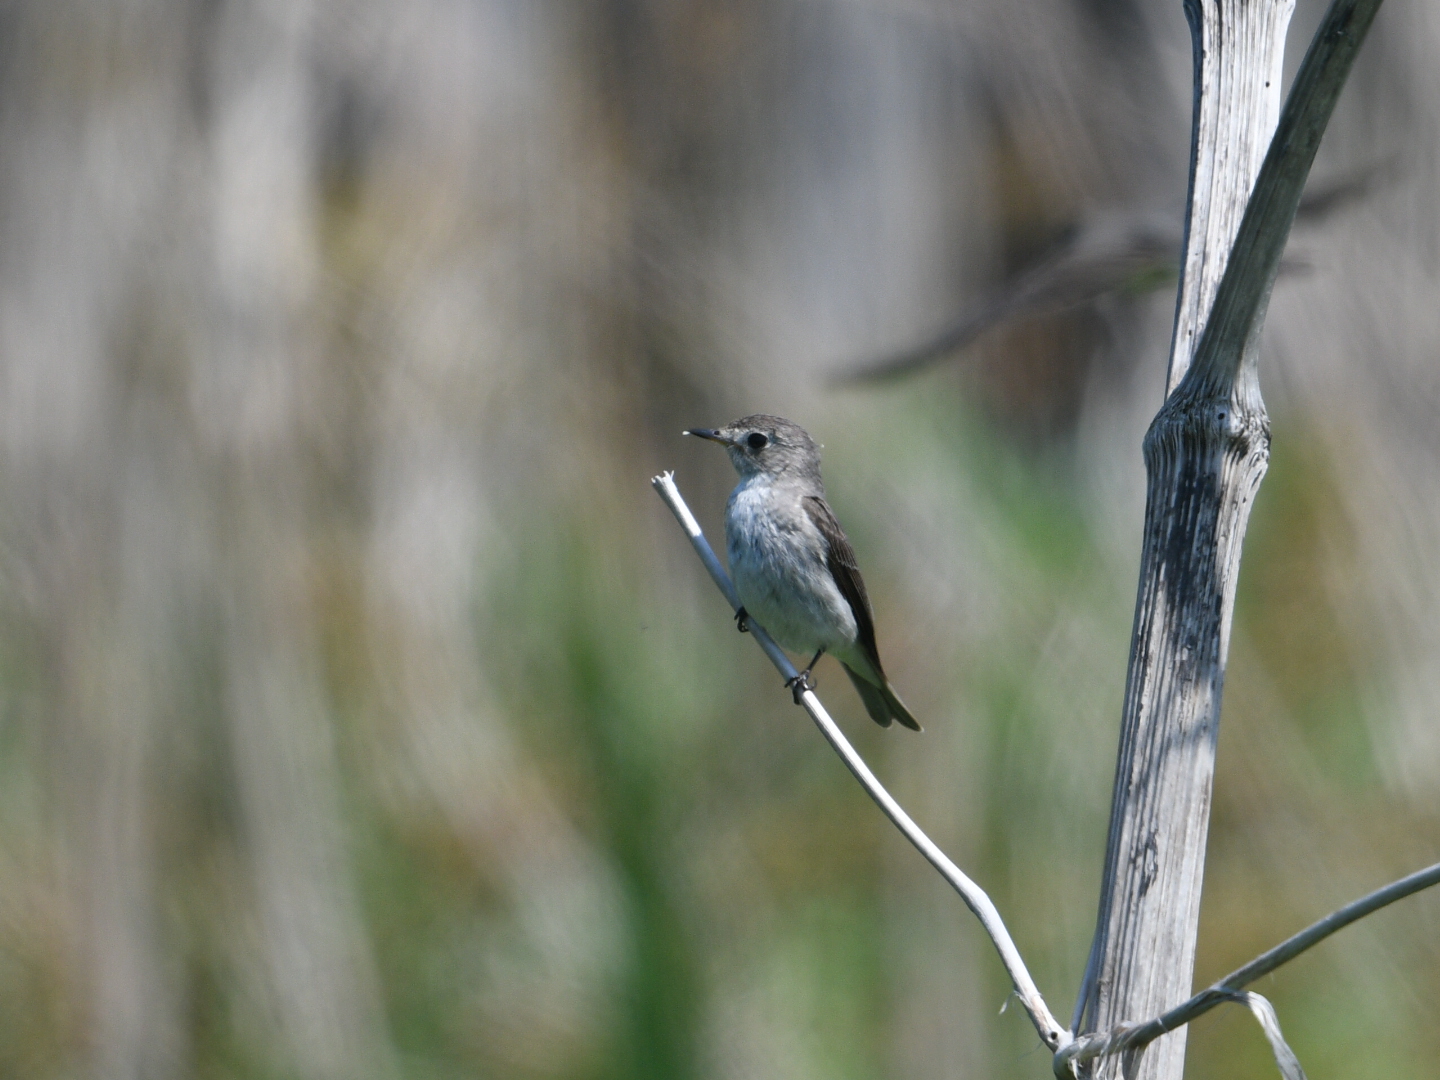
<point x="881" y="702"/>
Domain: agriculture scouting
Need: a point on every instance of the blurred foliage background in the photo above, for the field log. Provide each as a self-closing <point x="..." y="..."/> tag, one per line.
<point x="364" y="714"/>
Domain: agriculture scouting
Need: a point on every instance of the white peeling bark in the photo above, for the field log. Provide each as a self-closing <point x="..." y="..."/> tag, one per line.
<point x="1205" y="455"/>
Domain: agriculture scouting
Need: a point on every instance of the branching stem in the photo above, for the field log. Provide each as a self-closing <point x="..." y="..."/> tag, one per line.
<point x="1069" y="1051"/>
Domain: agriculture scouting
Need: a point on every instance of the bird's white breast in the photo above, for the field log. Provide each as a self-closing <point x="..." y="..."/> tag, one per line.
<point x="778" y="562"/>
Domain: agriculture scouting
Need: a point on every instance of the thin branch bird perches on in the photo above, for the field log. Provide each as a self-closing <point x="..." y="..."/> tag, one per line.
<point x="1053" y="1035"/>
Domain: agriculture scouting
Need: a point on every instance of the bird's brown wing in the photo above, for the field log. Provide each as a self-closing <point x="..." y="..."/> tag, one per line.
<point x="840" y="558"/>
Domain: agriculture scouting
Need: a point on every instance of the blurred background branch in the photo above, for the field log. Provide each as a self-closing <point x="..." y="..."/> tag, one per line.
<point x="1105" y="255"/>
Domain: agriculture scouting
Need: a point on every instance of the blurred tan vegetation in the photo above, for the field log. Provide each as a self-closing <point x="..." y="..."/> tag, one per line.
<point x="362" y="712"/>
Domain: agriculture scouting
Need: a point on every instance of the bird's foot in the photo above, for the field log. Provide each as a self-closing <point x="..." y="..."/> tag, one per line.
<point x="802" y="682"/>
<point x="742" y="621"/>
<point x="799" y="684"/>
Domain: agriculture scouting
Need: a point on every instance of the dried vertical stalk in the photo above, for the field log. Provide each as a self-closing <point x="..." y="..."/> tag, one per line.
<point x="1205" y="455"/>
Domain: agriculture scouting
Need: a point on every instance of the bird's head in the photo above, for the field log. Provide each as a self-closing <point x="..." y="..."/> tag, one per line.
<point x="765" y="445"/>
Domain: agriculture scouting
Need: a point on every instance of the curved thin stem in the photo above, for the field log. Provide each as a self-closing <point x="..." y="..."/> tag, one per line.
<point x="1051" y="1033"/>
<point x="1134" y="1036"/>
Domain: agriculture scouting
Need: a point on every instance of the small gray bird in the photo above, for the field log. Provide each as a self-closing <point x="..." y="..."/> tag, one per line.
<point x="793" y="567"/>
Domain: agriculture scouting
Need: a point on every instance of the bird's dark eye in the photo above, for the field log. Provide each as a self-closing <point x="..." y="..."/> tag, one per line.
<point x="756" y="441"/>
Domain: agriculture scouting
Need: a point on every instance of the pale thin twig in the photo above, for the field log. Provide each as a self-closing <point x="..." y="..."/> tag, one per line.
<point x="1137" y="1035"/>
<point x="1051" y="1033"/>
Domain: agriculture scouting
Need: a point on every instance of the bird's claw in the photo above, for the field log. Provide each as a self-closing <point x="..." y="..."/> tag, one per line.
<point x="799" y="684"/>
<point x="742" y="621"/>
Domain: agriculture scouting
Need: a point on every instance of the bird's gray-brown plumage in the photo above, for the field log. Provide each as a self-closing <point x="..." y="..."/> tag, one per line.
<point x="793" y="567"/>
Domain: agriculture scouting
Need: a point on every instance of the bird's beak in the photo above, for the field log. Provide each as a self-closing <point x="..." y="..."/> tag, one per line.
<point x="711" y="434"/>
